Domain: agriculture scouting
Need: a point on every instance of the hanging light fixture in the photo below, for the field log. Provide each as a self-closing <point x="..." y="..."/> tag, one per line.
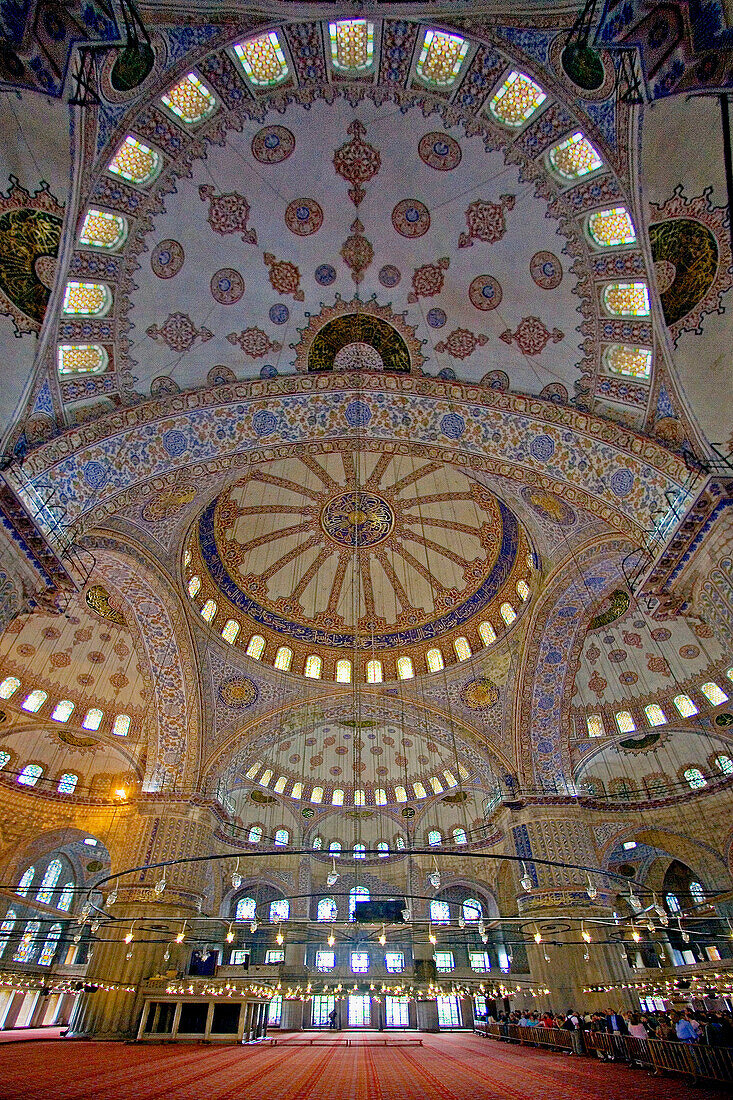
<point x="683" y="931"/>
<point x="112" y="898"/>
<point x="591" y="889"/>
<point x="431" y="935"/>
<point x="331" y="938"/>
<point x="383" y="936"/>
<point x="634" y="901"/>
<point x="407" y="912"/>
<point x="526" y="879"/>
<point x="635" y="933"/>
<point x="253" y="926"/>
<point x="129" y="937"/>
<point x="160" y="885"/>
<point x="584" y="933"/>
<point x="181" y="935"/>
<point x="537" y="935"/>
<point x="236" y="877"/>
<point x="434" y="876"/>
<point x="230" y="934"/>
<point x="279" y="937"/>
<point x="333" y="876"/>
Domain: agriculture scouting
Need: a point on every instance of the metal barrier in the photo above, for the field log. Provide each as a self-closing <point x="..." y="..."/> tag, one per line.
<point x="695" y="1060"/>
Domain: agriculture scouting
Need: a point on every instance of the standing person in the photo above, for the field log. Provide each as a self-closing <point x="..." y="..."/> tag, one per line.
<point x="636" y="1027"/>
<point x="332" y="1018"/>
<point x="686" y="1033"/>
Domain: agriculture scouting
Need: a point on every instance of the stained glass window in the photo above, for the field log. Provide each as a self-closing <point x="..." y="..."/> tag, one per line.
<point x="63" y="710"/>
<point x="383" y="849"/>
<point x="626" y="299"/>
<point x="230" y="630"/>
<point x="4" y="758"/>
<point x="359" y="851"/>
<point x="252" y="770"/>
<point x="359" y="797"/>
<point x="487" y="634"/>
<point x="697" y="893"/>
<point x="522" y="589"/>
<point x="30" y="775"/>
<point x="435" y="838"/>
<point x="275" y="955"/>
<point x="121" y="725"/>
<point x="374" y="672"/>
<point x="263" y="60"/>
<point x="317" y="795"/>
<point x="462" y="648"/>
<point x="343" y="671"/>
<point x="280" y="784"/>
<point x="49" y="880"/>
<point x="685" y="706"/>
<point x="352" y="44"/>
<point x="190" y="100"/>
<point x="279" y="910"/>
<point x="327" y="910"/>
<point x="574" y="157"/>
<point x="479" y="961"/>
<point x="436" y="785"/>
<point x="608" y="228"/>
<point x="439" y="911"/>
<point x="380" y="796"/>
<point x="629" y="361"/>
<point x="256" y="646"/>
<point x="655" y="716"/>
<point x="508" y="613"/>
<point x="459" y="836"/>
<point x="49" y="948"/>
<point x="283" y="658"/>
<point x="25" y="881"/>
<point x="713" y="693"/>
<point x="135" y="162"/>
<point x="282" y="837"/>
<point x="264" y="780"/>
<point x="81" y="359"/>
<point x="297" y="791"/>
<point x="434" y="660"/>
<point x="337" y="797"/>
<point x="473" y="910"/>
<point x="103" y="230"/>
<point x="325" y="960"/>
<point x="255" y="834"/>
<point x="313" y="667"/>
<point x="34" y="700"/>
<point x="357" y="895"/>
<point x="625" y="722"/>
<point x="443" y="961"/>
<point x="450" y="778"/>
<point x="27" y="947"/>
<point x="6" y="928"/>
<point x="400" y="842"/>
<point x="394" y="963"/>
<point x="93" y="719"/>
<point x="359" y="962"/>
<point x="594" y="723"/>
<point x="67" y="896"/>
<point x="419" y="790"/>
<point x="405" y="669"/>
<point x="193" y="586"/>
<point x="400" y="794"/>
<point x="90" y="299"/>
<point x="441" y="58"/>
<point x="208" y="611"/>
<point x="67" y="783"/>
<point x="694" y="778"/>
<point x="317" y="843"/>
<point x="725" y="764"/>
<point x="246" y="909"/>
<point x="516" y="100"/>
<point x="8" y="687"/>
<point x="335" y="847"/>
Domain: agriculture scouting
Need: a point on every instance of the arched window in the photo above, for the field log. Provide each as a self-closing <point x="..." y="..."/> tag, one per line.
<point x="439" y="911"/>
<point x="335" y="847"/>
<point x="193" y="586"/>
<point x="93" y="719"/>
<point x="435" y="784"/>
<point x="26" y="949"/>
<point x="724" y="763"/>
<point x="685" y="706"/>
<point x="49" y="948"/>
<point x="282" y="837"/>
<point x="522" y="589"/>
<point x="434" y="660"/>
<point x="49" y="880"/>
<point x="256" y="647"/>
<point x="486" y="633"/>
<point x="313" y="666"/>
<point x="694" y="778"/>
<point x="419" y="789"/>
<point x="359" y="851"/>
<point x="375" y="674"/>
<point x="435" y="838"/>
<point x="405" y="669"/>
<point x="82" y="359"/>
<point x="254" y="836"/>
<point x="352" y="44"/>
<point x="30" y="775"/>
<point x="462" y="648"/>
<point x="357" y="895"/>
<point x="317" y="843"/>
<point x="400" y="794"/>
<point x="594" y="725"/>
<point x="264" y="780"/>
<point x="297" y="791"/>
<point x="262" y="59"/>
<point x="67" y="896"/>
<point x="283" y="659"/>
<point x="697" y="893"/>
<point x="230" y="630"/>
<point x="459" y="836"/>
<point x="8" y="687"/>
<point x="337" y="797"/>
<point x="626" y="299"/>
<point x="383" y="849"/>
<point x="343" y="671"/>
<point x="67" y="783"/>
<point x="280" y="784"/>
<point x="359" y="797"/>
<point x="246" y="909"/>
<point x="317" y="794"/>
<point x="673" y="903"/>
<point x="450" y="778"/>
<point x="516" y="100"/>
<point x="574" y="157"/>
<point x="712" y="693"/>
<point x="121" y="725"/>
<point x="380" y="796"/>
<point x="62" y="711"/>
<point x="6" y="928"/>
<point x="327" y="909"/>
<point x="88" y="299"/>
<point x="279" y="910"/>
<point x="508" y="613"/>
<point x="34" y="700"/>
<point x="609" y="228"/>
<point x="625" y="722"/>
<point x="655" y="716"/>
<point x="473" y="910"/>
<point x="208" y="611"/>
<point x="628" y="361"/>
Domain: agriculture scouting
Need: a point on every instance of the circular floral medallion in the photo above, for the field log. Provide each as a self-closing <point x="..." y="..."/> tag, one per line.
<point x="279" y="313"/>
<point x="411" y="218"/>
<point x="389" y="275"/>
<point x="238" y="693"/>
<point x="689" y="652"/>
<point x="167" y="259"/>
<point x="546" y="270"/>
<point x="485" y="292"/>
<point x="436" y="318"/>
<point x="304" y="217"/>
<point x="549" y="506"/>
<point x="440" y="151"/>
<point x="480" y="694"/>
<point x="325" y="275"/>
<point x="227" y="286"/>
<point x="272" y="144"/>
<point x="357" y="518"/>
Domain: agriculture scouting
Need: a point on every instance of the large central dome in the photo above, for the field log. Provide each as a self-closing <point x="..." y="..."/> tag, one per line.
<point x="357" y="550"/>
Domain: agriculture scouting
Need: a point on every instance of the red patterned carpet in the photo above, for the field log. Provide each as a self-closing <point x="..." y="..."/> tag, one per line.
<point x="447" y="1067"/>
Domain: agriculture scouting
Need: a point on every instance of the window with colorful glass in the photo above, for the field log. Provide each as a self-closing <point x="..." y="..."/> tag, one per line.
<point x="628" y="361"/>
<point x="103" y="230"/>
<point x="135" y="162"/>
<point x="516" y="100"/>
<point x="190" y="100"/>
<point x="626" y="299"/>
<point x="263" y="60"/>
<point x="574" y="157"/>
<point x="610" y="228"/>
<point x="87" y="299"/>
<point x="48" y="882"/>
<point x="352" y="45"/>
<point x="441" y="58"/>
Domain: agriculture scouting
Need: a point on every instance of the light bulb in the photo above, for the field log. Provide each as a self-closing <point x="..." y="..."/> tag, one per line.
<point x="635" y="935"/>
<point x="77" y="938"/>
<point x="586" y="936"/>
<point x="112" y="898"/>
<point x="167" y="954"/>
<point x="383" y="937"/>
<point x="481" y="926"/>
<point x="93" y="927"/>
<point x="586" y="955"/>
<point x="128" y="956"/>
<point x="331" y="940"/>
<point x="230" y="935"/>
<point x="159" y="887"/>
<point x="253" y="926"/>
<point x="236" y="880"/>
<point x="685" y="937"/>
<point x="406" y="913"/>
<point x="86" y="908"/>
<point x="128" y="937"/>
<point x="179" y="937"/>
<point x="538" y="936"/>
<point x="591" y="889"/>
<point x="526" y="882"/>
<point x="484" y="937"/>
<point x="280" y="938"/>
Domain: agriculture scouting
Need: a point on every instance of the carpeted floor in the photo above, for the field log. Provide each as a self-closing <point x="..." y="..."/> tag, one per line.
<point x="447" y="1067"/>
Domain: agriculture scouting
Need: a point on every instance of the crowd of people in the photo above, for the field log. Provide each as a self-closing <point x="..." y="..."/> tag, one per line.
<point x="685" y="1026"/>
